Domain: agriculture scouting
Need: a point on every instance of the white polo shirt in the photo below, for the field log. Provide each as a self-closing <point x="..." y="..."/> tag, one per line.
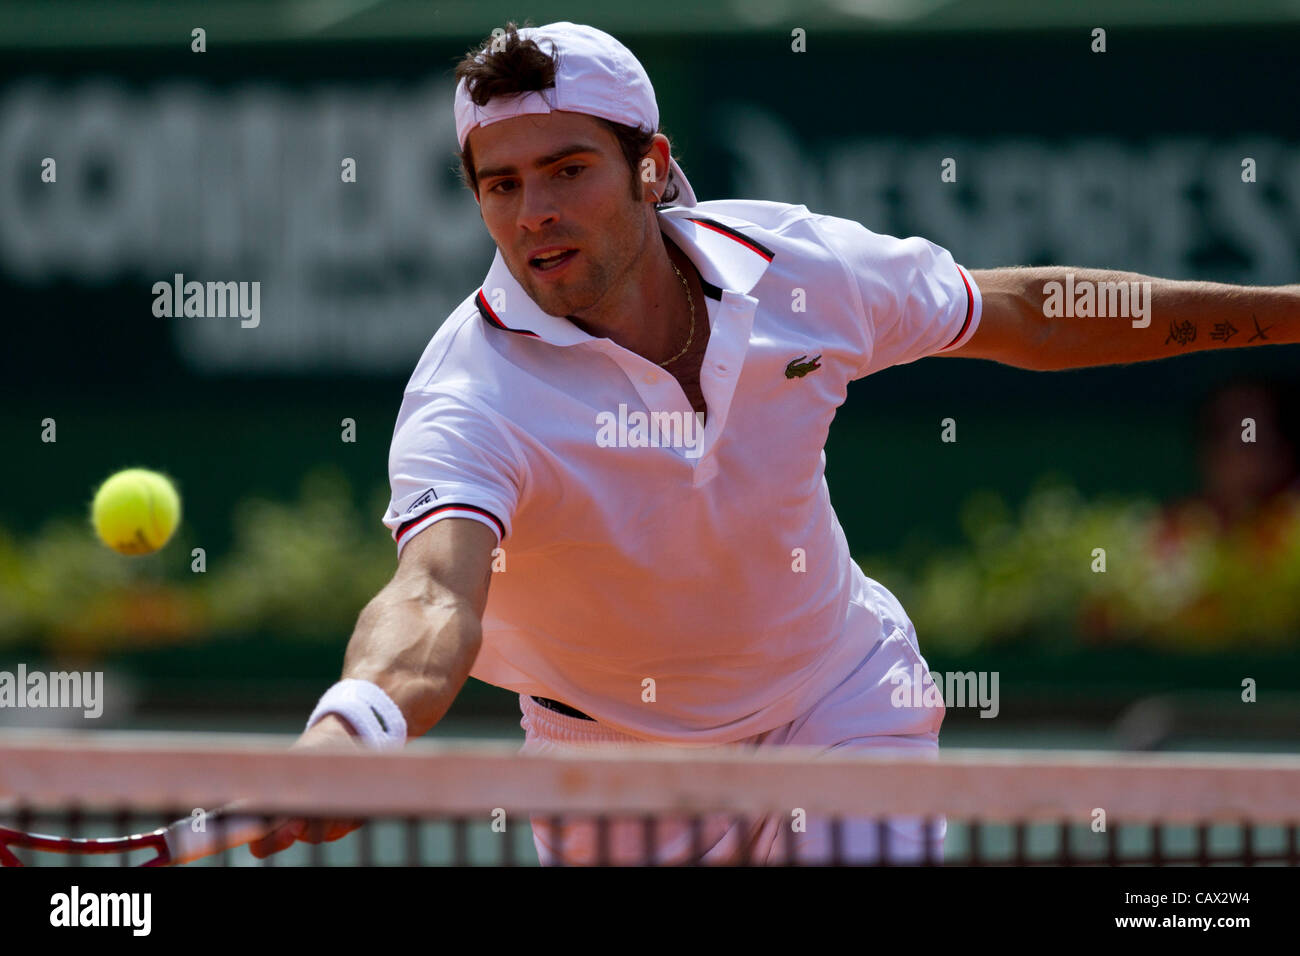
<point x="678" y="585"/>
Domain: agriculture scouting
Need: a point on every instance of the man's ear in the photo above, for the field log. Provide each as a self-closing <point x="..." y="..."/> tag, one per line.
<point x="654" y="166"/>
<point x="650" y="177"/>
<point x="648" y="174"/>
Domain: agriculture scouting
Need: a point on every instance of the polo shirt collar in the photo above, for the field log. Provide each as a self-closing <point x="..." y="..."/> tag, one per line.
<point x="727" y="260"/>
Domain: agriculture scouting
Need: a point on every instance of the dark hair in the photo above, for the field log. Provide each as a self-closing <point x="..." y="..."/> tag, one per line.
<point x="505" y="65"/>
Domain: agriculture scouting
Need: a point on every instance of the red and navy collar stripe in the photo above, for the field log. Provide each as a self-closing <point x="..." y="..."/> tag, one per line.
<point x="424" y="516"/>
<point x="711" y="290"/>
<point x="752" y="244"/>
<point x="485" y="310"/>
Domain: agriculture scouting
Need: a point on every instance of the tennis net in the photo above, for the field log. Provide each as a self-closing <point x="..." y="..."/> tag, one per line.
<point x="477" y="803"/>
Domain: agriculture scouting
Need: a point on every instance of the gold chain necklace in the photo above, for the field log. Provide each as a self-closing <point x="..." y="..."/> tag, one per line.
<point x="690" y="299"/>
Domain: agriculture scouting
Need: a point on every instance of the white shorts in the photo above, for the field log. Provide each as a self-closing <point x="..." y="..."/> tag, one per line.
<point x="856" y="716"/>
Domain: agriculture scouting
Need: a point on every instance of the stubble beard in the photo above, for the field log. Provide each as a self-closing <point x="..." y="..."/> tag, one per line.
<point x="598" y="271"/>
<point x="575" y="294"/>
<point x="581" y="292"/>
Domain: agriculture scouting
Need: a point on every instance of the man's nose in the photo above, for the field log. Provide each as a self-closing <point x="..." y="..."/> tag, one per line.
<point x="536" y="209"/>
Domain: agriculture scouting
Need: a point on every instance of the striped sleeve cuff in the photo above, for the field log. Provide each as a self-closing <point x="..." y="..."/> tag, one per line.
<point x="971" y="316"/>
<point x="408" y="530"/>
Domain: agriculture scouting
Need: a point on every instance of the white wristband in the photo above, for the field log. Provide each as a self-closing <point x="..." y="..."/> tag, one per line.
<point x="373" y="715"/>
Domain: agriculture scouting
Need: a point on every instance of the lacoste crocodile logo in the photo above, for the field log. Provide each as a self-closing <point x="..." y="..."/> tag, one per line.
<point x="798" y="368"/>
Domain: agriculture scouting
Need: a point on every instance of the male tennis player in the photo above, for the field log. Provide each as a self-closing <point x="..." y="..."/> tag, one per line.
<point x="625" y="422"/>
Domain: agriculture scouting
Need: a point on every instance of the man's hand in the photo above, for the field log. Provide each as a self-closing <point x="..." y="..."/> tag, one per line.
<point x="330" y="731"/>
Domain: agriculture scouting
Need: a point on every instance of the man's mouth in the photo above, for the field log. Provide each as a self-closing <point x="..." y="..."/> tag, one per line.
<point x="544" y="263"/>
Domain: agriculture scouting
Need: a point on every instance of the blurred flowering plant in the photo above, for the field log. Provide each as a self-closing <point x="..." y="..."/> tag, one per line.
<point x="1174" y="579"/>
<point x="301" y="569"/>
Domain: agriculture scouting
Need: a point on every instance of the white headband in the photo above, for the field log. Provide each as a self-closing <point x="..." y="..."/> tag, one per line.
<point x="595" y="74"/>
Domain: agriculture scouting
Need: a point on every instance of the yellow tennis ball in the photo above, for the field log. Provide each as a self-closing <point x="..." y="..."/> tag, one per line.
<point x="136" y="511"/>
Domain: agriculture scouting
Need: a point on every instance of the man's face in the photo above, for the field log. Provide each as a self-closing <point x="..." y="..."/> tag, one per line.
<point x="558" y="182"/>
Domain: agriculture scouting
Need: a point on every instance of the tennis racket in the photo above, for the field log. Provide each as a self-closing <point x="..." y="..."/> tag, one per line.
<point x="172" y="845"/>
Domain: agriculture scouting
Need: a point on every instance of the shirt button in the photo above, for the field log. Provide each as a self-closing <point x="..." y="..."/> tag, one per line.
<point x="720" y="366"/>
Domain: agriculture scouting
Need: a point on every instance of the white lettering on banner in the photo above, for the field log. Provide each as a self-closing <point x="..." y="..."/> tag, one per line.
<point x="235" y="182"/>
<point x="1085" y="202"/>
<point x="357" y="275"/>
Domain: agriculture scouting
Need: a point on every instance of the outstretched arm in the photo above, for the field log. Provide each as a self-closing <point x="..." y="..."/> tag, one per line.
<point x="1056" y="317"/>
<point x="418" y="637"/>
<point x="417" y="640"/>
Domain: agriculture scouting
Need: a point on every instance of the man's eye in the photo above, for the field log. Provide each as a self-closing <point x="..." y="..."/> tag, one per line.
<point x="497" y="186"/>
<point x="576" y="169"/>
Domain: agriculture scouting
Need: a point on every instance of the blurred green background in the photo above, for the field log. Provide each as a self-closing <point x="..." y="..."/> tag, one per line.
<point x="224" y="165"/>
